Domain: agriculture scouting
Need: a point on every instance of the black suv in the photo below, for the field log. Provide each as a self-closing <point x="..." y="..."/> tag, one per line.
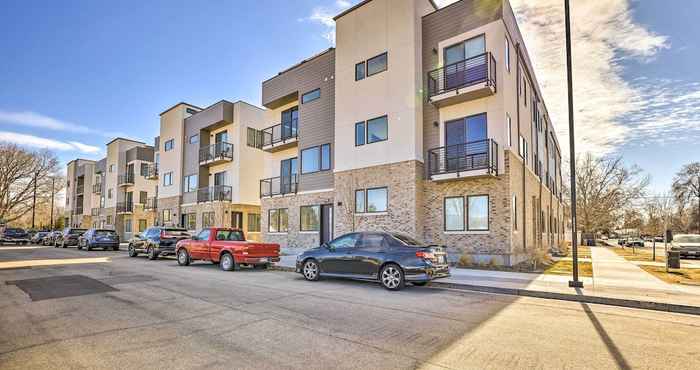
<point x="157" y="241"/>
<point x="69" y="236"/>
<point x="14" y="235"/>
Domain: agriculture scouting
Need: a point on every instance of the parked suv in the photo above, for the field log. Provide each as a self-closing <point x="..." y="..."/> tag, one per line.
<point x="687" y="244"/>
<point x="68" y="237"/>
<point x="157" y="241"/>
<point x="99" y="238"/>
<point x="14" y="235"/>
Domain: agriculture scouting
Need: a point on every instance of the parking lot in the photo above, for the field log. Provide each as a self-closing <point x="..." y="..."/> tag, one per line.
<point x="64" y="308"/>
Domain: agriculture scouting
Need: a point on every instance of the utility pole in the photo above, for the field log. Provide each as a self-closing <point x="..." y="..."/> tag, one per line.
<point x="36" y="174"/>
<point x="575" y="283"/>
<point x="53" y="179"/>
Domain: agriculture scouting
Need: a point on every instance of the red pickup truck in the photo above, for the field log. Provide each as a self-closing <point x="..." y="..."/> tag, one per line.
<point x="227" y="247"/>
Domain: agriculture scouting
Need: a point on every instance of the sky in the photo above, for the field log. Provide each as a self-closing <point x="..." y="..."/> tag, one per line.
<point x="74" y="74"/>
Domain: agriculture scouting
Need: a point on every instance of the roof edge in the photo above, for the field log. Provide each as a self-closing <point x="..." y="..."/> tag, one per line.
<point x="176" y="104"/>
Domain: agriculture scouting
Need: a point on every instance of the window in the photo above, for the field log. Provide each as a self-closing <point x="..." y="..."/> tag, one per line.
<point x="515" y="212"/>
<point x="111" y="168"/>
<point x="189" y="221"/>
<point x="316" y="159"/>
<point x="109" y="220"/>
<point x="167" y="179"/>
<point x="377" y="200"/>
<point x="522" y="148"/>
<point x="168" y="146"/>
<point x="359" y="201"/>
<point x="207" y="219"/>
<point x="144" y="169"/>
<point x="253" y="223"/>
<point x="377" y="64"/>
<point x="464" y="50"/>
<point x="360" y="71"/>
<point x="507" y="55"/>
<point x="377" y="130"/>
<point x="190" y="183"/>
<point x="142" y="225"/>
<point x="510" y="131"/>
<point x="194" y="139"/>
<point x="254" y="138"/>
<point x="143" y="197"/>
<point x="127" y="225"/>
<point x="345" y="241"/>
<point x="278" y="220"/>
<point x="454" y="214"/>
<point x="310" y="218"/>
<point x="204" y="234"/>
<point x="478" y="212"/>
<point x="310" y="96"/>
<point x="524" y="91"/>
<point x="167" y="217"/>
<point x="109" y="193"/>
<point x="359" y="133"/>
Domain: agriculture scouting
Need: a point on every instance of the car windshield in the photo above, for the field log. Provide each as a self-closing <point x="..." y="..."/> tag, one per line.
<point x="687" y="239"/>
<point x="104" y="233"/>
<point x="175" y="232"/>
<point x="406" y="240"/>
<point x="230" y="235"/>
<point x="77" y="231"/>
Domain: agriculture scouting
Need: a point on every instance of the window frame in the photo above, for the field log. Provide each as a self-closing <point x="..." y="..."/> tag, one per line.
<point x="301" y="224"/>
<point x="172" y="145"/>
<point x="364" y="70"/>
<point x="386" y="188"/>
<point x="193" y="139"/>
<point x="304" y="95"/>
<point x="168" y="176"/>
<point x="363" y="134"/>
<point x="488" y="213"/>
<point x="386" y="116"/>
<point x="364" y="200"/>
<point x="507" y="54"/>
<point x="444" y="214"/>
<point x="509" y="122"/>
<point x="320" y="159"/>
<point x="386" y="64"/>
<point x="256" y="221"/>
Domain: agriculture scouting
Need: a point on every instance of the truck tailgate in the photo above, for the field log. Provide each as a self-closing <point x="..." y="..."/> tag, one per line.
<point x="262" y="249"/>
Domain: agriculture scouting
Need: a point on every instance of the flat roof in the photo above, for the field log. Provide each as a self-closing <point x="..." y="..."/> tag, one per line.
<point x="301" y="63"/>
<point x="125" y="139"/>
<point x="182" y="102"/>
<point x="361" y="3"/>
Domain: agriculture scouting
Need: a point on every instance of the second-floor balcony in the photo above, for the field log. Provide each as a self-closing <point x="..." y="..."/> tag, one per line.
<point x="216" y="153"/>
<point x="472" y="159"/>
<point x="278" y="186"/>
<point x="95" y="212"/>
<point x="152" y="171"/>
<point x="467" y="79"/>
<point x="80" y="189"/>
<point x="281" y="136"/>
<point x="217" y="193"/>
<point x="125" y="207"/>
<point x="126" y="179"/>
<point x="78" y="210"/>
<point x="151" y="204"/>
<point x="97" y="188"/>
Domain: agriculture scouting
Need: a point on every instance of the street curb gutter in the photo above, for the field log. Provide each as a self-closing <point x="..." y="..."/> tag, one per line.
<point x="629" y="303"/>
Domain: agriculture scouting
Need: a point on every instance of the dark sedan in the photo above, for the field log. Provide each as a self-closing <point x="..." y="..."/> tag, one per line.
<point x="14" y="235"/>
<point x="69" y="236"/>
<point x="390" y="258"/>
<point x="99" y="238"/>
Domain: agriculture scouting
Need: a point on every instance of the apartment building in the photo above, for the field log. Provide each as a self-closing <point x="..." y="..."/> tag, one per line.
<point x="207" y="173"/>
<point x="421" y="120"/>
<point x="113" y="192"/>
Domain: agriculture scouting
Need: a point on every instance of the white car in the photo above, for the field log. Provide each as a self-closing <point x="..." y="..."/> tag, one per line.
<point x="687" y="244"/>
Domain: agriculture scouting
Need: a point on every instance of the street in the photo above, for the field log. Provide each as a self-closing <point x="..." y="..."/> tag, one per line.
<point x="156" y="314"/>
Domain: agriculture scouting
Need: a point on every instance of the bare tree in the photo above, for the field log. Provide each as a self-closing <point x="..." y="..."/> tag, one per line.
<point x="686" y="188"/>
<point x="19" y="169"/>
<point x="605" y="188"/>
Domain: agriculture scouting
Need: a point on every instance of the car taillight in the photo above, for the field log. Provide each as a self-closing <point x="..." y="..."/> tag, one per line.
<point x="425" y="255"/>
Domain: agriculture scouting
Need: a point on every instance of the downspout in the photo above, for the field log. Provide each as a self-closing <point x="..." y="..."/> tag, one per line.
<point x="517" y="108"/>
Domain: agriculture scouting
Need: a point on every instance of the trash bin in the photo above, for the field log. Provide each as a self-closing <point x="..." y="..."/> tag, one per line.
<point x="673" y="260"/>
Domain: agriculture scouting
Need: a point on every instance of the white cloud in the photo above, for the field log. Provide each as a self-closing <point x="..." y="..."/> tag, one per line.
<point x="37" y="120"/>
<point x="323" y="15"/>
<point x="44" y="143"/>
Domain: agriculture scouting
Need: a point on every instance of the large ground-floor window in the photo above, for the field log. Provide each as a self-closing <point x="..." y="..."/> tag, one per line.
<point x="207" y="219"/>
<point x="253" y="222"/>
<point x="470" y="213"/>
<point x="310" y="218"/>
<point x="278" y="220"/>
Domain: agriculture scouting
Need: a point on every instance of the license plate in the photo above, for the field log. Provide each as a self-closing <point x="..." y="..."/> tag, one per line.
<point x="264" y="259"/>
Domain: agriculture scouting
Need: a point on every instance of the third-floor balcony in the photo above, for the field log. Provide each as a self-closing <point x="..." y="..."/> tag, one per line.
<point x="126" y="179"/>
<point x="467" y="79"/>
<point x="216" y="153"/>
<point x="217" y="193"/>
<point x="125" y="207"/>
<point x="152" y="172"/>
<point x="278" y="186"/>
<point x="97" y="188"/>
<point x="79" y="189"/>
<point x="151" y="204"/>
<point x="281" y="136"/>
<point x="472" y="159"/>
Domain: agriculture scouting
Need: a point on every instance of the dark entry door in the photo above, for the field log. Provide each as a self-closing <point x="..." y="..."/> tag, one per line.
<point x="237" y="220"/>
<point x="326" y="223"/>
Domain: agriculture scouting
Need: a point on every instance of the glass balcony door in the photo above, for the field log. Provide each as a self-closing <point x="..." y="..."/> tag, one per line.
<point x="465" y="142"/>
<point x="288" y="173"/>
<point x="461" y="65"/>
<point x="290" y="119"/>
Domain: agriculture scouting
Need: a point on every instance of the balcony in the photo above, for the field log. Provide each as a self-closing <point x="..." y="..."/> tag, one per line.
<point x="151" y="204"/>
<point x="462" y="81"/>
<point x="80" y="189"/>
<point x="125" y="180"/>
<point x="95" y="212"/>
<point x="279" y="186"/>
<point x="152" y="172"/>
<point x="473" y="159"/>
<point x="218" y="193"/>
<point x="78" y="210"/>
<point x="215" y="154"/>
<point x="280" y="136"/>
<point x="97" y="188"/>
<point x="125" y="207"/>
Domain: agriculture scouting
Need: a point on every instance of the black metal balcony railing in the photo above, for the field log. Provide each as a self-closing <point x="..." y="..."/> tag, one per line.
<point x="476" y="155"/>
<point x="151" y="203"/>
<point x="97" y="188"/>
<point x="152" y="172"/>
<point x="278" y="186"/>
<point x="215" y="193"/>
<point x="79" y="189"/>
<point x="78" y="210"/>
<point x="124" y="207"/>
<point x="95" y="212"/>
<point x="125" y="179"/>
<point x="467" y="72"/>
<point x="217" y="151"/>
<point x="281" y="133"/>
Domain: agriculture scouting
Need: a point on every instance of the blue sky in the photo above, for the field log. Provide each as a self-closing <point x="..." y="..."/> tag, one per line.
<point x="75" y="73"/>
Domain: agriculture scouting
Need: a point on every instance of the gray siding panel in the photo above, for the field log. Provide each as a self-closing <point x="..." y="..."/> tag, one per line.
<point x="216" y="115"/>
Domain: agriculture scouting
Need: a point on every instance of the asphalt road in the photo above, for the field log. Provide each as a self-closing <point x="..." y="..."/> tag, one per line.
<point x="116" y="312"/>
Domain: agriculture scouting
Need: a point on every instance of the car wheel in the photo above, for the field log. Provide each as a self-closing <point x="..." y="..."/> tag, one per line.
<point x="183" y="259"/>
<point x="227" y="262"/>
<point x="132" y="251"/>
<point x="152" y="255"/>
<point x="310" y="270"/>
<point x="391" y="277"/>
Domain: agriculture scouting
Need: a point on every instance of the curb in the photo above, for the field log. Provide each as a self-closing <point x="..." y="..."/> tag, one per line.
<point x="629" y="303"/>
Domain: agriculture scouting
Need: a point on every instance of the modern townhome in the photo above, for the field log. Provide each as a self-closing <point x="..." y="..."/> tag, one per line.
<point x="422" y="120"/>
<point x="114" y="191"/>
<point x="207" y="172"/>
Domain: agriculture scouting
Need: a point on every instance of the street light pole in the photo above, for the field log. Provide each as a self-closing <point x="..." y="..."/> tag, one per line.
<point x="575" y="283"/>
<point x="36" y="174"/>
<point x="52" y="196"/>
